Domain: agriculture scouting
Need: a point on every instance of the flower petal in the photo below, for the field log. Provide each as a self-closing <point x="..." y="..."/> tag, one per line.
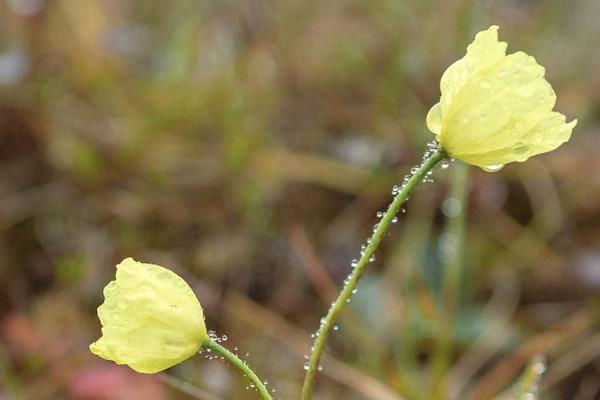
<point x="496" y="108"/>
<point x="496" y="111"/>
<point x="484" y="52"/>
<point x="151" y="319"/>
<point x="434" y="119"/>
<point x="545" y="136"/>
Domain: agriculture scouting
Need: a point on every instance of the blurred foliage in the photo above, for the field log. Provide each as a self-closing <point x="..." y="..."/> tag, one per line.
<point x="249" y="144"/>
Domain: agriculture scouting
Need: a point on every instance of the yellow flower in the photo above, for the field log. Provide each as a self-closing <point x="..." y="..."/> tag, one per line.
<point x="496" y="108"/>
<point x="151" y="319"/>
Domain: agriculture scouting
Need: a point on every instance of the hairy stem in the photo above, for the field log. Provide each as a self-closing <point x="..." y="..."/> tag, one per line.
<point x="239" y="364"/>
<point x="418" y="174"/>
<point x="528" y="383"/>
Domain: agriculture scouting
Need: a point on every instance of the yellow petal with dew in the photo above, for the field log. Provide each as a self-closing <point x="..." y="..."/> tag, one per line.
<point x="496" y="108"/>
<point x="151" y="319"/>
<point x="484" y="52"/>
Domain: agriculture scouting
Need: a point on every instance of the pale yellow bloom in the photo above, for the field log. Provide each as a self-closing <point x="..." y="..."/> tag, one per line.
<point x="151" y="319"/>
<point x="496" y="108"/>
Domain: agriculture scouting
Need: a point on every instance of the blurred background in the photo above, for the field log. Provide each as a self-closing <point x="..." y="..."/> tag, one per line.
<point x="248" y="145"/>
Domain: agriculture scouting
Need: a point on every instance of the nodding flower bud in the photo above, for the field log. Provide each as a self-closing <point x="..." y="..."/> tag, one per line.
<point x="151" y="319"/>
<point x="496" y="108"/>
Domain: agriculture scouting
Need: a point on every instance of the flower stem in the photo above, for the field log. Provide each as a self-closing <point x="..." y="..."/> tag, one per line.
<point x="387" y="220"/>
<point x="239" y="364"/>
<point x="528" y="384"/>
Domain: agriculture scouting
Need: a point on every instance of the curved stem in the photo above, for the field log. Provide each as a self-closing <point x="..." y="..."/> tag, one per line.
<point x="387" y="220"/>
<point x="239" y="364"/>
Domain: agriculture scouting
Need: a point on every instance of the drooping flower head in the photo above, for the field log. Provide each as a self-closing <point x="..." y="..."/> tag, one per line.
<point x="496" y="108"/>
<point x="151" y="319"/>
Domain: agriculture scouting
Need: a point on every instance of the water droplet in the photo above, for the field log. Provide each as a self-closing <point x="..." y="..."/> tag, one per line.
<point x="539" y="368"/>
<point x="493" y="167"/>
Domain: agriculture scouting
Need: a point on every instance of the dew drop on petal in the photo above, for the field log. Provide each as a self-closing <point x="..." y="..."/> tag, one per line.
<point x="493" y="167"/>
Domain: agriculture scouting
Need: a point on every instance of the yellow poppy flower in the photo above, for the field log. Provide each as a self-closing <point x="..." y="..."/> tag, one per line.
<point x="496" y="108"/>
<point x="151" y="319"/>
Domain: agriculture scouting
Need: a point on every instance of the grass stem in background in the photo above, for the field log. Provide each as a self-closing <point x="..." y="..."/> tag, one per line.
<point x="451" y="252"/>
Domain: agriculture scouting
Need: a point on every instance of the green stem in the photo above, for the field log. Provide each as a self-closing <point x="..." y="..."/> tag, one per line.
<point x="527" y="387"/>
<point x="239" y="364"/>
<point x="327" y="323"/>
